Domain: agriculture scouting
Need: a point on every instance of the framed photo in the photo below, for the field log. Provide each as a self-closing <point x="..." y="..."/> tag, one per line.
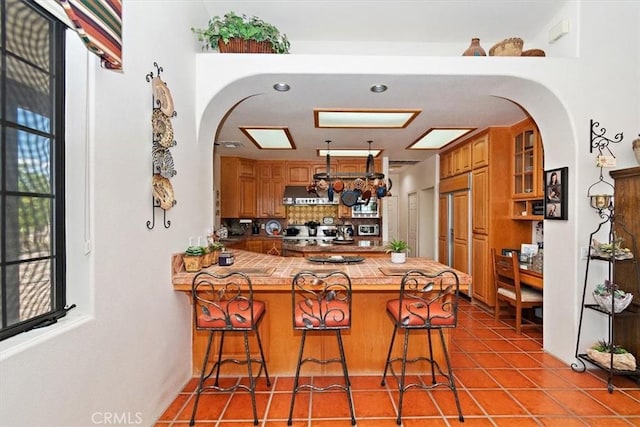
<point x="555" y="193"/>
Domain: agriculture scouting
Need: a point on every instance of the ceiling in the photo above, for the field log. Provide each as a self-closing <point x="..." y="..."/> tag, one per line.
<point x="444" y="101"/>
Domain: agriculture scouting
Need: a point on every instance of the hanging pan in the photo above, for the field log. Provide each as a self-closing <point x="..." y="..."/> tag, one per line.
<point x="349" y="197"/>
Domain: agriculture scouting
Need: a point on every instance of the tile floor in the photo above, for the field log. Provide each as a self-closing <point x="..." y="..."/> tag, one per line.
<point x="503" y="379"/>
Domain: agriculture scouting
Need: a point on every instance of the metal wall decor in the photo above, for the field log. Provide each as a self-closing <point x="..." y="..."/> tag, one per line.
<point x="600" y="193"/>
<point x="163" y="168"/>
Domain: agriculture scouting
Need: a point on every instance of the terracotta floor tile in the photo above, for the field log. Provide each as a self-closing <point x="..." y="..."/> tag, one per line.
<point x="514" y="421"/>
<point x="472" y="346"/>
<point x="239" y="407"/>
<point x="545" y="378"/>
<point x="485" y="333"/>
<point x="417" y="403"/>
<point x="527" y="345"/>
<point x="607" y="422"/>
<point x="373" y="404"/>
<point x="175" y="407"/>
<point x="474" y="378"/>
<point x="462" y="360"/>
<point x="490" y="360"/>
<point x="330" y="404"/>
<point x="618" y="402"/>
<point x="561" y="422"/>
<point x="581" y="379"/>
<point x="210" y="407"/>
<point x="446" y="402"/>
<point x="281" y="402"/>
<point x="537" y="402"/>
<point x="497" y="402"/>
<point x="501" y="345"/>
<point x="521" y="360"/>
<point x="503" y="379"/>
<point x="579" y="402"/>
<point x="508" y="378"/>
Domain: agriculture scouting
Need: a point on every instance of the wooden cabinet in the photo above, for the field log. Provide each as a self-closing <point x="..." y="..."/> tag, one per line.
<point x="461" y="231"/>
<point x="446" y="165"/>
<point x="527" y="184"/>
<point x="491" y="223"/>
<point x="482" y="288"/>
<point x="443" y="230"/>
<point x="271" y="185"/>
<point x="479" y="200"/>
<point x="626" y="274"/>
<point x="254" y="245"/>
<point x="480" y="151"/>
<point x="462" y="159"/>
<point x="299" y="173"/>
<point x="237" y="187"/>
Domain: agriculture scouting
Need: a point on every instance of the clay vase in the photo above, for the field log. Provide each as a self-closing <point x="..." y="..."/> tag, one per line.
<point x="474" y="49"/>
<point x="636" y="148"/>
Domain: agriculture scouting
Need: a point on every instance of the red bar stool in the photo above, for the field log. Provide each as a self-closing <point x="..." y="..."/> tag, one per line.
<point x="224" y="303"/>
<point x="321" y="303"/>
<point x="427" y="302"/>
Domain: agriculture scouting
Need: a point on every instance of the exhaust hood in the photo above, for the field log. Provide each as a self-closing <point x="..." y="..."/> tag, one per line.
<point x="298" y="195"/>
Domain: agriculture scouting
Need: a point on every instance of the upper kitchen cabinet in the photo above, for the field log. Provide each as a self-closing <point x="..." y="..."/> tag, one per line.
<point x="527" y="169"/>
<point x="299" y="173"/>
<point x="271" y="183"/>
<point x="455" y="161"/>
<point x="237" y="187"/>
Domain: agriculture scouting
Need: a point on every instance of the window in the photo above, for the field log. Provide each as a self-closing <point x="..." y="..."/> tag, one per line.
<point x="32" y="244"/>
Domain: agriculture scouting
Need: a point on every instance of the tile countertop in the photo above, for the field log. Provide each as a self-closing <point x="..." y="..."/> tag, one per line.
<point x="275" y="273"/>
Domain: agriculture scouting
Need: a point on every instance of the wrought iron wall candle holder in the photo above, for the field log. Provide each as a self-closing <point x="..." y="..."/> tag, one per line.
<point x="601" y="192"/>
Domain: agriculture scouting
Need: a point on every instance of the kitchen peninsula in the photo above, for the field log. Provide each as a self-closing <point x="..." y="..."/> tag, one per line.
<point x="375" y="280"/>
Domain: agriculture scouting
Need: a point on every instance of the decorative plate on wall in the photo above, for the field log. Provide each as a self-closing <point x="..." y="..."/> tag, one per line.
<point x="163" y="192"/>
<point x="163" y="96"/>
<point x="162" y="128"/>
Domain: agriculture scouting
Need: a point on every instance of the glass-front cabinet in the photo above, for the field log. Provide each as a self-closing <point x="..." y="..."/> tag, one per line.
<point x="523" y="177"/>
<point x="527" y="186"/>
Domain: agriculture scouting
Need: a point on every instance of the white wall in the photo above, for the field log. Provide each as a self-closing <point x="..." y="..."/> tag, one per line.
<point x="125" y="349"/>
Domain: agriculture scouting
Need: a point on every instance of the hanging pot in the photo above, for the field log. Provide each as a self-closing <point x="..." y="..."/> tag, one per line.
<point x="338" y="186"/>
<point x="349" y="197"/>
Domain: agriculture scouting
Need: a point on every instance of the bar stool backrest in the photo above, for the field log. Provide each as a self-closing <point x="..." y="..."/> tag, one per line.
<point x="427" y="300"/>
<point x="321" y="301"/>
<point x="224" y="302"/>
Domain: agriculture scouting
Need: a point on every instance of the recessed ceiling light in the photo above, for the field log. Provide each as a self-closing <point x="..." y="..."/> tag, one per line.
<point x="378" y="88"/>
<point x="269" y="138"/>
<point x="281" y="87"/>
<point x="435" y="139"/>
<point x="348" y="152"/>
<point x="231" y="144"/>
<point x="344" y="118"/>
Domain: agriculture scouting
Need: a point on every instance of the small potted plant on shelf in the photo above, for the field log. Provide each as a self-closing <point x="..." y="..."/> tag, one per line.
<point x="241" y="34"/>
<point x="193" y="258"/>
<point x="605" y="292"/>
<point x="601" y="354"/>
<point x="398" y="249"/>
<point x="215" y="248"/>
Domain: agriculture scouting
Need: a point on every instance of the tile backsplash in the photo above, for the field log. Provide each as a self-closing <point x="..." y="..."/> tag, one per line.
<point x="298" y="215"/>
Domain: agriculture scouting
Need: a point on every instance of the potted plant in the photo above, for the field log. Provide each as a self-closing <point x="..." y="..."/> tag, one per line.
<point x="605" y="292"/>
<point x="241" y="34"/>
<point x="398" y="249"/>
<point x="215" y="248"/>
<point x="193" y="258"/>
<point x="601" y="354"/>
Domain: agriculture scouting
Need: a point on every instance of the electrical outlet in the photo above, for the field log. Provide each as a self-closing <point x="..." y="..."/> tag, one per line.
<point x="584" y="253"/>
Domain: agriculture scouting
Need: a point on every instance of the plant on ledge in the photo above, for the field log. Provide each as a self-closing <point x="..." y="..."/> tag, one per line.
<point x="398" y="249"/>
<point x="247" y="34"/>
<point x="603" y="295"/>
<point x="602" y="353"/>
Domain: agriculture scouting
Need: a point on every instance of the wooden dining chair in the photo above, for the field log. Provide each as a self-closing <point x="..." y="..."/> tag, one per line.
<point x="506" y="270"/>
